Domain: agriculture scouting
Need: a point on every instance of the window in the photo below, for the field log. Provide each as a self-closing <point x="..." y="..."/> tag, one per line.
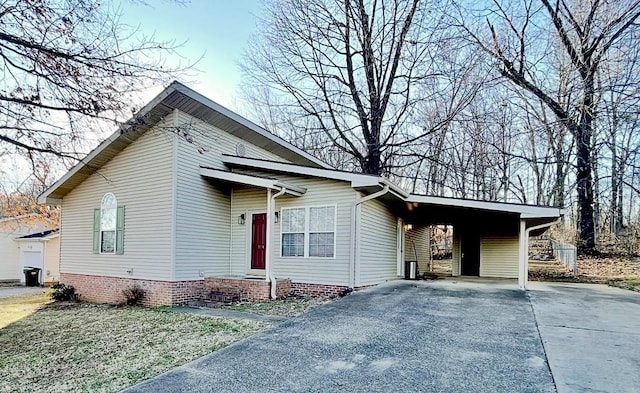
<point x="308" y="231"/>
<point x="321" y="231"/>
<point x="293" y="232"/>
<point x="108" y="215"/>
<point x="108" y="226"/>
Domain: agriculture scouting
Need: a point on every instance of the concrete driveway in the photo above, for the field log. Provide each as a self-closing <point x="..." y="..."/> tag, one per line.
<point x="591" y="334"/>
<point x="6" y="292"/>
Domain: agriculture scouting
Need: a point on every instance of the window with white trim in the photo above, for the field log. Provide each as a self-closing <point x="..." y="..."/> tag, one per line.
<point x="293" y="232"/>
<point x="308" y="231"/>
<point x="108" y="217"/>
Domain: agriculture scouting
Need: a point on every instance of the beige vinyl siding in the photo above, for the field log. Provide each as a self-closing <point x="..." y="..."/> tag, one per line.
<point x="212" y="143"/>
<point x="141" y="178"/>
<point x="246" y="200"/>
<point x="203" y="209"/>
<point x="52" y="259"/>
<point x="377" y="244"/>
<point x="10" y="264"/>
<point x="499" y="256"/>
<point x="10" y="257"/>
<point x="320" y="192"/>
<point x="418" y="247"/>
<point x="455" y="254"/>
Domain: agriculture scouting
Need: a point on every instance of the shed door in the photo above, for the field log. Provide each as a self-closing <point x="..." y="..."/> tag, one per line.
<point x="258" y="240"/>
<point x="470" y="249"/>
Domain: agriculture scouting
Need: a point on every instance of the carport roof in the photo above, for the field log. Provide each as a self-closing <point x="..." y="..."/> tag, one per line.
<point x="525" y="211"/>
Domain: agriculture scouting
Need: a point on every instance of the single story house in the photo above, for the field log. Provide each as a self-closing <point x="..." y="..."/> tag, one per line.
<point x="24" y="242"/>
<point x="189" y="195"/>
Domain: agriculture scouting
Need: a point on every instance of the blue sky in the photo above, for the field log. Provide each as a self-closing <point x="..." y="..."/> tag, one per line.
<point x="216" y="29"/>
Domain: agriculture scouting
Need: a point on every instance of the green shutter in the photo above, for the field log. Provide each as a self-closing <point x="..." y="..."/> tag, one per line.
<point x="120" y="231"/>
<point x="96" y="231"/>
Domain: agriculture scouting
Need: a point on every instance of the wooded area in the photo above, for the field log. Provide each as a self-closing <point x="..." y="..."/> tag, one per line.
<point x="531" y="101"/>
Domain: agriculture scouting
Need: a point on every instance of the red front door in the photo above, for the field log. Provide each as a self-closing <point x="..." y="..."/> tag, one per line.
<point x="258" y="240"/>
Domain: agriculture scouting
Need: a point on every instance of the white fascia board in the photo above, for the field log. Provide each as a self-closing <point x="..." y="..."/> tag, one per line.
<point x="356" y="179"/>
<point x="525" y="211"/>
<point x="395" y="188"/>
<point x="250" y="180"/>
<point x="245" y="122"/>
<point x="43" y="198"/>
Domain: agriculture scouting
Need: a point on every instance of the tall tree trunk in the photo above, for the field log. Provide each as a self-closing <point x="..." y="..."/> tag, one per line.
<point x="584" y="176"/>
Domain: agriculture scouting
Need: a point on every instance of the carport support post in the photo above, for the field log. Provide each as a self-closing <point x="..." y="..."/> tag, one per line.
<point x="523" y="255"/>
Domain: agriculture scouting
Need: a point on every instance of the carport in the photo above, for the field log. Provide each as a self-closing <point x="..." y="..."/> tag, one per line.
<point x="490" y="239"/>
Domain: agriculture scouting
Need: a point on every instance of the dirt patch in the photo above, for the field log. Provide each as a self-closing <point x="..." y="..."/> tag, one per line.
<point x="290" y="306"/>
<point x="617" y="271"/>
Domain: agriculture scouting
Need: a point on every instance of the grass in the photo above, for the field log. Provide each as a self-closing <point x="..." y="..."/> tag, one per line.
<point x="70" y="347"/>
<point x="632" y="284"/>
<point x="290" y="306"/>
<point x="15" y="308"/>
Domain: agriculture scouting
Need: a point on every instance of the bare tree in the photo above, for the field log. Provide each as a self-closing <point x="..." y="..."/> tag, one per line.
<point x="64" y="62"/>
<point x="359" y="70"/>
<point x="586" y="31"/>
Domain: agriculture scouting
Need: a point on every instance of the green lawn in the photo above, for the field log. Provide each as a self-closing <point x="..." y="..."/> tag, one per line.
<point x="69" y="347"/>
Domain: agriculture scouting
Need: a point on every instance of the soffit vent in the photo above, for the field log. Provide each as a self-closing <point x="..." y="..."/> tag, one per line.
<point x="241" y="150"/>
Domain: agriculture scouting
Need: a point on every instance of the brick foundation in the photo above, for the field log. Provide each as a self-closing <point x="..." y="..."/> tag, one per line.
<point x="103" y="289"/>
<point x="247" y="289"/>
<point x="301" y="288"/>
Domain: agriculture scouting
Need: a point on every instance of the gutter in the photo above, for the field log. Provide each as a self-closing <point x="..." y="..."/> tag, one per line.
<point x="355" y="230"/>
<point x="523" y="276"/>
<point x="271" y="200"/>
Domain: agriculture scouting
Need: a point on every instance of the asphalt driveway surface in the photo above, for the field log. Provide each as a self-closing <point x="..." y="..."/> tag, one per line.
<point x="398" y="337"/>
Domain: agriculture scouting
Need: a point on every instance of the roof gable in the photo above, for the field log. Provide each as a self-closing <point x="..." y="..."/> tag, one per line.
<point x="180" y="97"/>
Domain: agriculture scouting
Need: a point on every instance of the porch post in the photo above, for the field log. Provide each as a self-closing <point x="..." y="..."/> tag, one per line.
<point x="523" y="255"/>
<point x="267" y="251"/>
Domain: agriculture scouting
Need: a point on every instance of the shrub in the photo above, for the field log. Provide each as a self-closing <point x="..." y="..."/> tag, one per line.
<point x="134" y="295"/>
<point x="62" y="292"/>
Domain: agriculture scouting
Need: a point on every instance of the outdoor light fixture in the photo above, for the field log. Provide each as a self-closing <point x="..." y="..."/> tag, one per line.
<point x="277" y="217"/>
<point x="241" y="219"/>
<point x="408" y="227"/>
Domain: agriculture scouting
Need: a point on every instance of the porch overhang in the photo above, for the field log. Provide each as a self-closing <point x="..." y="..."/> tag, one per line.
<point x="251" y="180"/>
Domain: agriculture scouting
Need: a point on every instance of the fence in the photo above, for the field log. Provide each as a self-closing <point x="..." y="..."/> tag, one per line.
<point x="567" y="254"/>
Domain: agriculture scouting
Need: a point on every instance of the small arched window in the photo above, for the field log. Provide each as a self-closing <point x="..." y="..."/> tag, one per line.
<point x="108" y="219"/>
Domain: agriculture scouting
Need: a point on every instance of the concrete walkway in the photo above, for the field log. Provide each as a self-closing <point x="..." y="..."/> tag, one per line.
<point x="6" y="292"/>
<point x="591" y="334"/>
<point x="443" y="336"/>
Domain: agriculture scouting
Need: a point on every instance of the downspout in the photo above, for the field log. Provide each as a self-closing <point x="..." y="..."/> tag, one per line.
<point x="523" y="275"/>
<point x="355" y="220"/>
<point x="270" y="219"/>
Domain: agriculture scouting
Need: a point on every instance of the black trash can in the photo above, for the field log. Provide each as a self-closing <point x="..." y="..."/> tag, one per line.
<point x="31" y="276"/>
